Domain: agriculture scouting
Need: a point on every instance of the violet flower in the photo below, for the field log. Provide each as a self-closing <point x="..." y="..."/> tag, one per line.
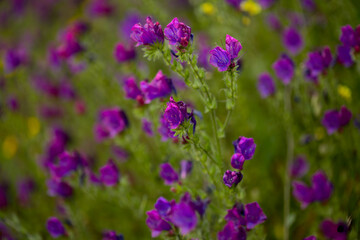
<point x="232" y="178"/>
<point x="334" y="231"/>
<point x="293" y="41"/>
<point x="175" y="113"/>
<point x="184" y="217"/>
<point x="156" y="223"/>
<point x="13" y="58"/>
<point x="299" y="167"/>
<point x="223" y="59"/>
<point x="334" y="120"/>
<point x="303" y="193"/>
<point x="236" y="215"/>
<point x="266" y="85"/>
<point x="112" y="235"/>
<point x="254" y="215"/>
<point x="123" y="54"/>
<point x="245" y="146"/>
<point x="161" y="86"/>
<point x="322" y="187"/>
<point x="347" y="36"/>
<point x="165" y="130"/>
<point x="168" y="173"/>
<point x="344" y="56"/>
<point x="3" y="195"/>
<point x="163" y="207"/>
<point x="24" y="190"/>
<point x="111" y="122"/>
<point x="149" y="34"/>
<point x="185" y="168"/>
<point x="67" y="164"/>
<point x="266" y="3"/>
<point x="234" y="3"/>
<point x="284" y="69"/>
<point x="109" y="174"/>
<point x="237" y="161"/>
<point x="132" y="90"/>
<point x="128" y="22"/>
<point x="147" y="127"/>
<point x="178" y="33"/>
<point x="59" y="188"/>
<point x="317" y="63"/>
<point x="55" y="227"/>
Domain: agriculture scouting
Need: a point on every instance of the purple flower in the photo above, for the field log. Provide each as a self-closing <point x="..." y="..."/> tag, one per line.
<point x="254" y="215"/>
<point x="333" y="120"/>
<point x="120" y="153"/>
<point x="237" y="161"/>
<point x="233" y="46"/>
<point x="13" y="58"/>
<point x="13" y="103"/>
<point x="236" y="215"/>
<point x="334" y="231"/>
<point x="284" y="69"/>
<point x="131" y="89"/>
<point x="111" y="122"/>
<point x="347" y="36"/>
<point x="220" y="58"/>
<point x="148" y="34"/>
<point x="69" y="46"/>
<point x="303" y="193"/>
<point x="299" y="167"/>
<point x="165" y="130"/>
<point x="67" y="164"/>
<point x="232" y="232"/>
<point x="322" y="187"/>
<point x="109" y="174"/>
<point x="147" y="127"/>
<point x="266" y="85"/>
<point x="163" y="206"/>
<point x="266" y="3"/>
<point x="55" y="227"/>
<point x="344" y="116"/>
<point x="310" y="238"/>
<point x="3" y="195"/>
<point x="185" y="168"/>
<point x="24" y="190"/>
<point x="344" y="56"/>
<point x="100" y="8"/>
<point x="177" y="33"/>
<point x="175" y="113"/>
<point x="111" y="235"/>
<point x="317" y="63"/>
<point x="161" y="86"/>
<point x="231" y="178"/>
<point x="128" y="22"/>
<point x="122" y="54"/>
<point x="234" y="3"/>
<point x="59" y="188"/>
<point x="245" y="146"/>
<point x="156" y="223"/>
<point x="200" y="205"/>
<point x="168" y="173"/>
<point x="310" y="6"/>
<point x="293" y="41"/>
<point x="274" y="22"/>
<point x="184" y="217"/>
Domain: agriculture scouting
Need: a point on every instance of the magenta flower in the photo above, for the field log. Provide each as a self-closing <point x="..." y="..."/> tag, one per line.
<point x="178" y="33"/>
<point x="284" y="69"/>
<point x="232" y="178"/>
<point x="266" y="85"/>
<point x="149" y="34"/>
<point x="175" y="113"/>
<point x="254" y="215"/>
<point x="161" y="86"/>
<point x="237" y="161"/>
<point x="55" y="227"/>
<point x="224" y="59"/>
<point x="131" y="89"/>
<point x="245" y="146"/>
<point x="123" y="54"/>
<point x="184" y="217"/>
<point x="109" y="174"/>
<point x="293" y="41"/>
<point x="156" y="223"/>
<point x="299" y="167"/>
<point x="168" y="173"/>
<point x="334" y="231"/>
<point x="100" y="8"/>
<point x="112" y="235"/>
<point x="111" y="122"/>
<point x="334" y="120"/>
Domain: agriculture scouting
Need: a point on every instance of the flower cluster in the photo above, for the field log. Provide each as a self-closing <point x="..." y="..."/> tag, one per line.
<point x="182" y="214"/>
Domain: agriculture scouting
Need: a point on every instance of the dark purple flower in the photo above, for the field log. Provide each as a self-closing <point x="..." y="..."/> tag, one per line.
<point x="13" y="103"/>
<point x="234" y="3"/>
<point x="200" y="205"/>
<point x="184" y="217"/>
<point x="266" y="85"/>
<point x="147" y="127"/>
<point x="345" y="116"/>
<point x="59" y="188"/>
<point x="161" y="86"/>
<point x="299" y="167"/>
<point x="156" y="223"/>
<point x="231" y="178"/>
<point x="303" y="193"/>
<point x="333" y="120"/>
<point x="254" y="215"/>
<point x="237" y="161"/>
<point x="233" y="46"/>
<point x="245" y="146"/>
<point x="308" y="5"/>
<point x="220" y="58"/>
<point x="100" y="8"/>
<point x="232" y="232"/>
<point x="310" y="238"/>
<point x="131" y="88"/>
<point x="293" y="41"/>
<point x="347" y="36"/>
<point x="67" y="164"/>
<point x="3" y="195"/>
<point x="111" y="122"/>
<point x="55" y="227"/>
<point x="178" y="33"/>
<point x="165" y="130"/>
<point x="334" y="231"/>
<point x="168" y="173"/>
<point x="148" y="34"/>
<point x="163" y="206"/>
<point x="112" y="235"/>
<point x="109" y="174"/>
<point x="185" y="168"/>
<point x="236" y="215"/>
<point x="284" y="69"/>
<point x="24" y="190"/>
<point x="344" y="56"/>
<point x="175" y="113"/>
<point x="13" y="58"/>
<point x="322" y="187"/>
<point x="5" y="232"/>
<point x="123" y="54"/>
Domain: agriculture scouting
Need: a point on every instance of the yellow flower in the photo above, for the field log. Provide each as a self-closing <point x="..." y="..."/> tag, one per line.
<point x="10" y="146"/>
<point x="251" y="7"/>
<point x="344" y="92"/>
<point x="207" y="8"/>
<point x="33" y="126"/>
<point x="319" y="133"/>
